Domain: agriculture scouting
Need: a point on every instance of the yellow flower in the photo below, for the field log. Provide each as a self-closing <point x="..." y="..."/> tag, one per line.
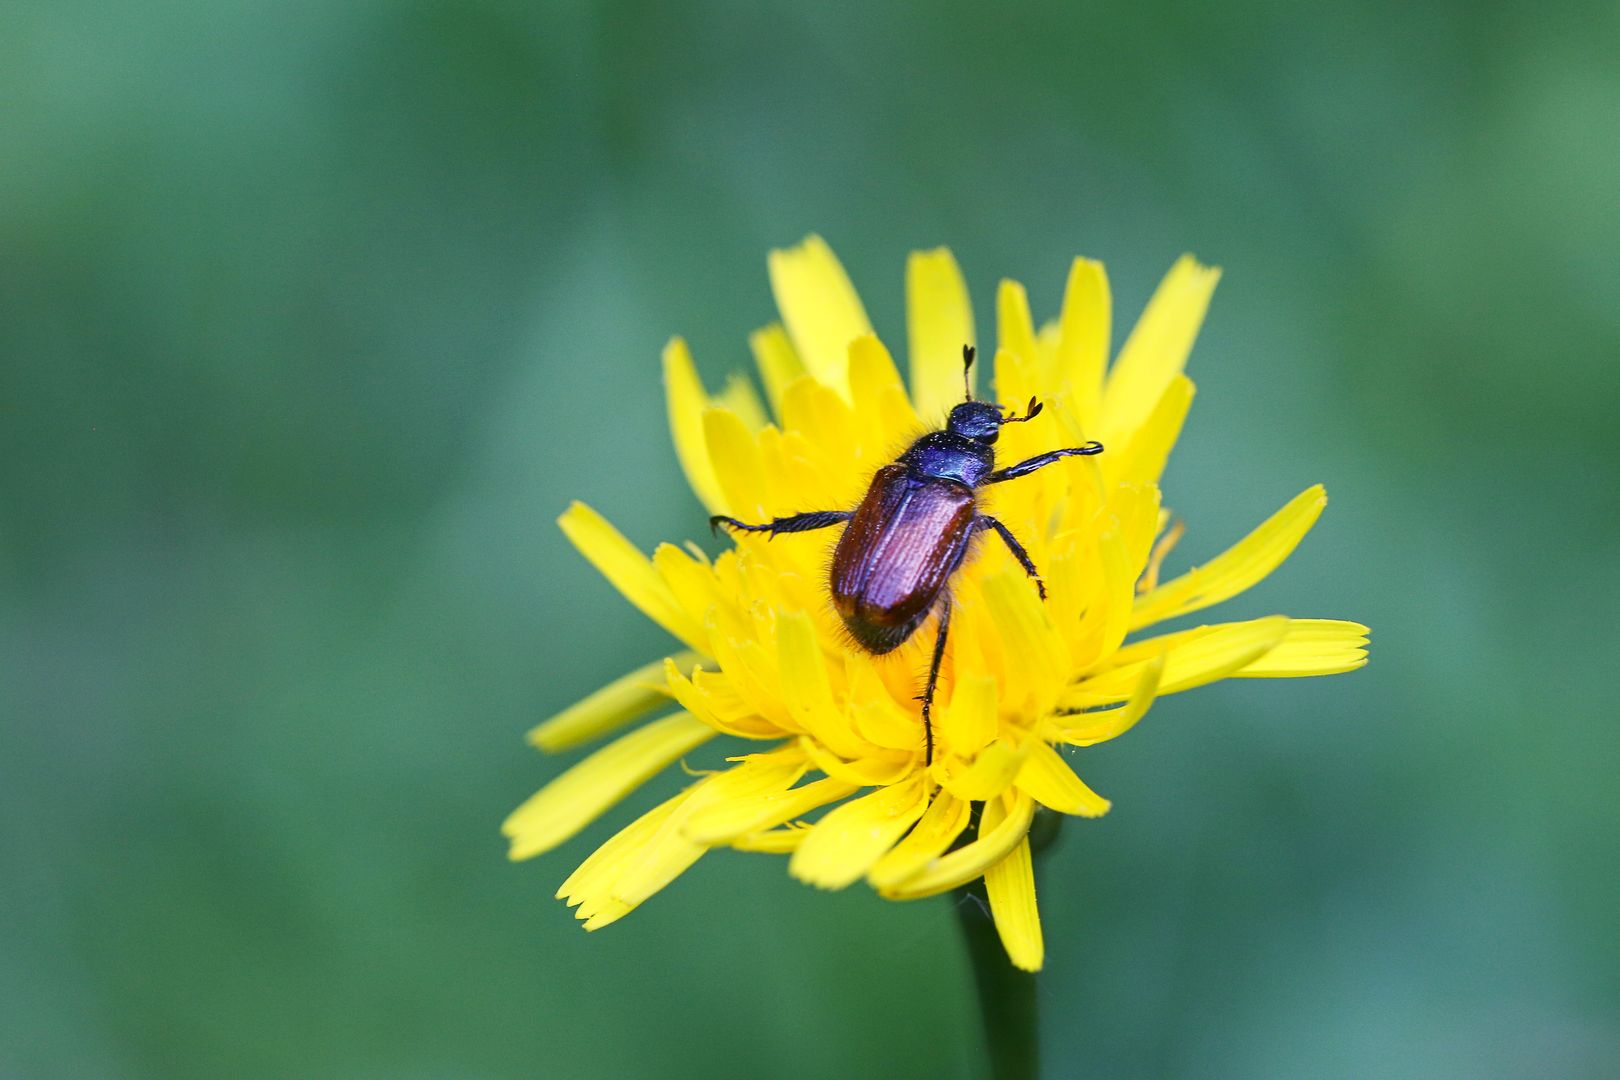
<point x="766" y="658"/>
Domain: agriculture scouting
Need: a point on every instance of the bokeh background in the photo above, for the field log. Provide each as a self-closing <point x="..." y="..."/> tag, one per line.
<point x="314" y="316"/>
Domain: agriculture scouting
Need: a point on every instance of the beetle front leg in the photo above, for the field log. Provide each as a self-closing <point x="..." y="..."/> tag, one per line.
<point x="816" y="519"/>
<point x="985" y="521"/>
<point x="1040" y="461"/>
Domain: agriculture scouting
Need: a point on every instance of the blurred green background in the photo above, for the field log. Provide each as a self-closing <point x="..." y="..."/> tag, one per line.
<point x="314" y="316"/>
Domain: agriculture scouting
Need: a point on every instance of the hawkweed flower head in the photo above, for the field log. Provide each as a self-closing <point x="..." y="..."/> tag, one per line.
<point x="827" y="762"/>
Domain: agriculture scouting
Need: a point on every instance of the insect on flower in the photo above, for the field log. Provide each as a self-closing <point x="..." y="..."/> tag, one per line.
<point x="908" y="537"/>
<point x="794" y="690"/>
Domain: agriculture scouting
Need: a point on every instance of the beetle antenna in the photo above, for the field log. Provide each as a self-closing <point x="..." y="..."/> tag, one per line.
<point x="968" y="353"/>
<point x="1031" y="412"/>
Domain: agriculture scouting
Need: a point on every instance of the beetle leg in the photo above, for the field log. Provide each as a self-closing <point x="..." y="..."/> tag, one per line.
<point x="816" y="519"/>
<point x="933" y="679"/>
<point x="1040" y="461"/>
<point x="987" y="522"/>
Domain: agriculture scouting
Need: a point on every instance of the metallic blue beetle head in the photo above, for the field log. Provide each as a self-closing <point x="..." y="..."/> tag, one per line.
<point x="977" y="420"/>
<point x="981" y="420"/>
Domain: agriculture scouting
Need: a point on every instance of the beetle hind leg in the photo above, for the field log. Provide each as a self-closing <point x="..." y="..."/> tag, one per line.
<point x="933" y="680"/>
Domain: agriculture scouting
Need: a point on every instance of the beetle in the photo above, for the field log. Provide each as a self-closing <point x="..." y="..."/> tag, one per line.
<point x="912" y="531"/>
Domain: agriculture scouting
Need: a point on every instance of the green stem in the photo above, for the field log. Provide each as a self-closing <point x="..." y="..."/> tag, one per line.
<point x="1007" y="1003"/>
<point x="1006" y="995"/>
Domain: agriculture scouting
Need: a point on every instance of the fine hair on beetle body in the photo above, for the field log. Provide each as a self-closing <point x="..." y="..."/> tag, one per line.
<point x="918" y="524"/>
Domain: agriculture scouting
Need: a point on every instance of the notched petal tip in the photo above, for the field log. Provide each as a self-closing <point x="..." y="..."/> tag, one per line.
<point x="1312" y="647"/>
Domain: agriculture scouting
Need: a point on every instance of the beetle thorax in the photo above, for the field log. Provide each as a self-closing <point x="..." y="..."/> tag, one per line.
<point x="951" y="456"/>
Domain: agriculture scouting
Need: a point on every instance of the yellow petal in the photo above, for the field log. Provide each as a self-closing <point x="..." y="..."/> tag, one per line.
<point x="845" y="843"/>
<point x="629" y="571"/>
<point x="771" y="774"/>
<point x="1142" y="460"/>
<point x="1084" y="328"/>
<point x="1104" y="623"/>
<point x="778" y="364"/>
<point x="740" y="397"/>
<point x="668" y="852"/>
<point x="782" y="574"/>
<point x="826" y="422"/>
<point x="933" y="834"/>
<point x="807" y="690"/>
<point x="727" y="822"/>
<point x="797" y="470"/>
<point x="685" y="399"/>
<point x="1240" y="566"/>
<point x="819" y="305"/>
<point x="1021" y="365"/>
<point x="690" y="579"/>
<point x="1010" y="886"/>
<point x="663" y="858"/>
<point x="871" y="371"/>
<point x="580" y="795"/>
<point x="883" y="412"/>
<point x="990" y="773"/>
<point x="1037" y="660"/>
<point x="1147" y="648"/>
<point x="939" y="321"/>
<point x="1166" y="543"/>
<point x="879" y="719"/>
<point x="783" y="841"/>
<point x="971" y="860"/>
<point x="737" y="465"/>
<point x="606" y="862"/>
<point x="991" y="814"/>
<point x="1157" y="349"/>
<point x="1015" y="333"/>
<point x="1090" y="729"/>
<point x="1019" y="378"/>
<point x="1312" y="647"/>
<point x="1047" y="779"/>
<point x="876" y="770"/>
<point x="1191" y="659"/>
<point x="616" y="704"/>
<point x="710" y="697"/>
<point x="968" y="721"/>
<point x="751" y="671"/>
